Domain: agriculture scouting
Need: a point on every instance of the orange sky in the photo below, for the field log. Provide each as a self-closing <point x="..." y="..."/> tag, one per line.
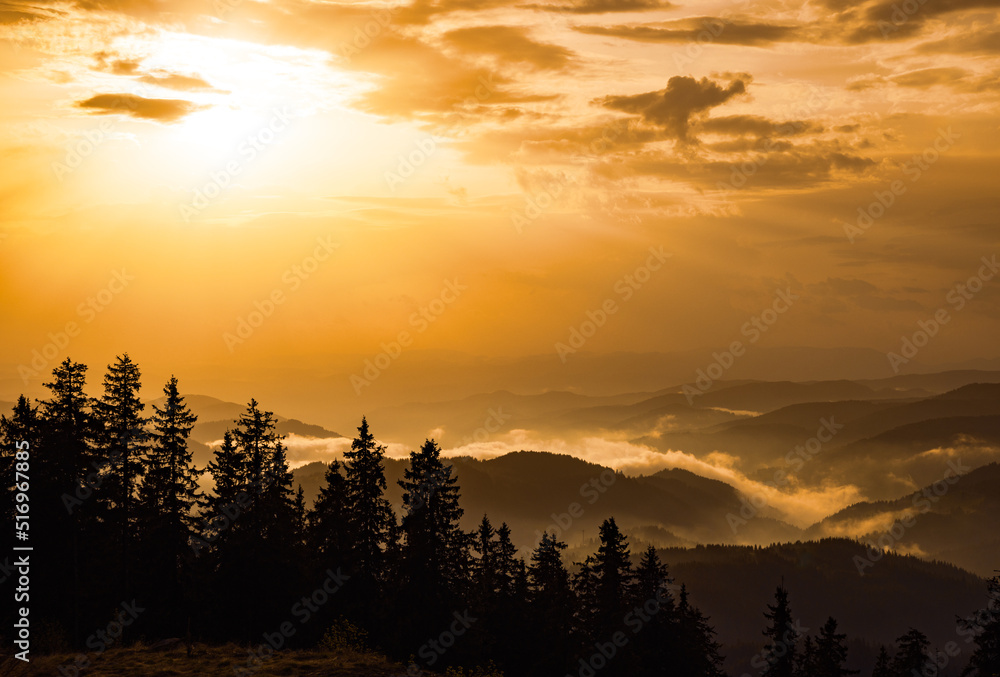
<point x="482" y="174"/>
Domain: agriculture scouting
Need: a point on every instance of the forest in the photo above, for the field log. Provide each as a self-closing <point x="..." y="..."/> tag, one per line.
<point x="127" y="545"/>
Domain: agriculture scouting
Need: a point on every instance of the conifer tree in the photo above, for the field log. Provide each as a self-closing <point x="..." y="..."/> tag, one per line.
<point x="167" y="497"/>
<point x="699" y="652"/>
<point x="984" y="625"/>
<point x="911" y="654"/>
<point x="883" y="664"/>
<point x="550" y="601"/>
<point x="327" y="522"/>
<point x="781" y="647"/>
<point x="125" y="442"/>
<point x="830" y="652"/>
<point x="371" y="516"/>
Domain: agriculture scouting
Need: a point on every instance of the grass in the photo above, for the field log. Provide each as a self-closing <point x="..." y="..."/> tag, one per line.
<point x="230" y="659"/>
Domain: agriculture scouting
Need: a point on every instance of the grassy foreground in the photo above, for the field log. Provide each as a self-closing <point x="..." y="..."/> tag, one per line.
<point x="230" y="659"/>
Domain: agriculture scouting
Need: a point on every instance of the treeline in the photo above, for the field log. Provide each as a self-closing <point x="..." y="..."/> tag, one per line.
<point x="124" y="537"/>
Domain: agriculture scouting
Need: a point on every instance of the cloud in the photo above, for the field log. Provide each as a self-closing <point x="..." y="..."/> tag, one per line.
<point x="740" y="125"/>
<point x="510" y="44"/>
<point x="673" y="107"/>
<point x="419" y="79"/>
<point x="700" y="30"/>
<point x="184" y="83"/>
<point x="161" y="110"/>
<point x="605" y="6"/>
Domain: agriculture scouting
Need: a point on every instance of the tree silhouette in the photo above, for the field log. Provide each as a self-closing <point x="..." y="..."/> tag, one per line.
<point x="781" y="647"/>
<point x="984" y="625"/>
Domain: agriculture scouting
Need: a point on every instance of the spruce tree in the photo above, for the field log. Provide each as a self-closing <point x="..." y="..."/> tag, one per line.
<point x="883" y="664"/>
<point x="371" y="516"/>
<point x="985" y="627"/>
<point x="125" y="445"/>
<point x="167" y="497"/>
<point x="327" y="522"/>
<point x="911" y="654"/>
<point x="831" y="652"/>
<point x="698" y="652"/>
<point x="781" y="647"/>
<point x="550" y="603"/>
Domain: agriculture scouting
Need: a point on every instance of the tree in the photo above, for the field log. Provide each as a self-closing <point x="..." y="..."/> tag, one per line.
<point x="984" y="625"/>
<point x="698" y="652"/>
<point x="64" y="512"/>
<point x="883" y="664"/>
<point x="550" y="601"/>
<point x="781" y="647"/>
<point x="167" y="497"/>
<point x="604" y="589"/>
<point x="656" y="639"/>
<point x="434" y="555"/>
<point x="831" y="652"/>
<point x="327" y="526"/>
<point x="124" y="441"/>
<point x="911" y="654"/>
<point x="371" y="516"/>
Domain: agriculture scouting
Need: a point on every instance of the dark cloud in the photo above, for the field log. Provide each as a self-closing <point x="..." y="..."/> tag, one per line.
<point x="672" y="108"/>
<point x="605" y="6"/>
<point x="740" y="125"/>
<point x="510" y="44"/>
<point x="161" y="110"/>
<point x="700" y="29"/>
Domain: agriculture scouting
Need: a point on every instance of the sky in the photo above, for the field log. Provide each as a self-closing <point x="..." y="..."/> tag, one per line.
<point x="240" y="191"/>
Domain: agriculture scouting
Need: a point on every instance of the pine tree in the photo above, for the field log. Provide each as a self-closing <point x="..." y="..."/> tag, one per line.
<point x="434" y="556"/>
<point x="550" y="601"/>
<point x="168" y="495"/>
<point x="64" y="513"/>
<point x="984" y="625"/>
<point x="125" y="442"/>
<point x="781" y="647"/>
<point x="370" y="514"/>
<point x="698" y="651"/>
<point x="327" y="525"/>
<point x="656" y="639"/>
<point x="830" y="654"/>
<point x="911" y="654"/>
<point x="883" y="664"/>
